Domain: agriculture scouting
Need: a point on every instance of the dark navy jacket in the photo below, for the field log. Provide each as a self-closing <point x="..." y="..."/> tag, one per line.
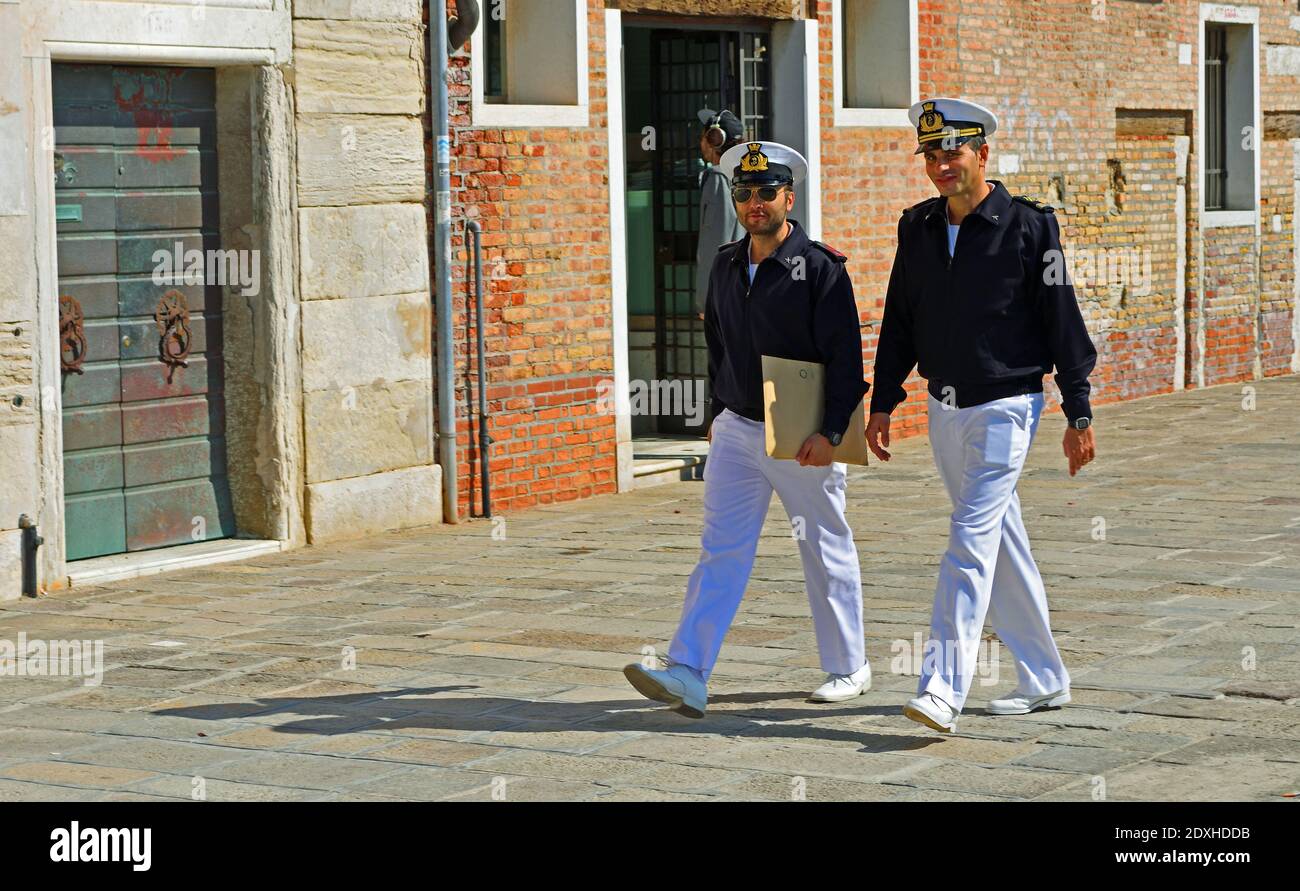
<point x="800" y="306"/>
<point x="988" y="322"/>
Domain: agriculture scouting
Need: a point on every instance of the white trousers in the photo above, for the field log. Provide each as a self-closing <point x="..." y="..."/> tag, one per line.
<point x="988" y="567"/>
<point x="739" y="479"/>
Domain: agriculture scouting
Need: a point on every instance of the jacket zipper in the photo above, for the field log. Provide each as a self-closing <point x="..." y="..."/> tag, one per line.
<point x="949" y="309"/>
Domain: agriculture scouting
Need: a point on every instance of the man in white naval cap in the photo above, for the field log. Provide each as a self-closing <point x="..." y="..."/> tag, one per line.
<point x="971" y="303"/>
<point x="775" y="292"/>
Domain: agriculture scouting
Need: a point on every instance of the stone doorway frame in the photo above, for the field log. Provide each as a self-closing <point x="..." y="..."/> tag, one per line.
<point x="257" y="213"/>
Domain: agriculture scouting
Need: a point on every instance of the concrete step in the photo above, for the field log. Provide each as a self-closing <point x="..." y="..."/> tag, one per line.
<point x="115" y="567"/>
<point x="667" y="459"/>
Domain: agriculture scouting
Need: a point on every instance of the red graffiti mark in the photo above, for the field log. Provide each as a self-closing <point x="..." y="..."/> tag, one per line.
<point x="152" y="116"/>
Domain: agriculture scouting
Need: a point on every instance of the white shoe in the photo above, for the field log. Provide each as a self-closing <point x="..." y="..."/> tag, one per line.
<point x="931" y="711"/>
<point x="839" y="687"/>
<point x="1017" y="703"/>
<point x="676" y="685"/>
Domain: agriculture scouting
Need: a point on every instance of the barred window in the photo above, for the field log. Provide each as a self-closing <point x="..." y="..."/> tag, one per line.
<point x="1216" y="117"/>
<point x="1229" y="125"/>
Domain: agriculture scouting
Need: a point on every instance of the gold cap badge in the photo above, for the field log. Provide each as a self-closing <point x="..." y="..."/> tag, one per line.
<point x="754" y="160"/>
<point x="931" y="120"/>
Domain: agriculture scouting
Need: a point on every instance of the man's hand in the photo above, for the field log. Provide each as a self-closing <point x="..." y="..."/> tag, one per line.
<point x="878" y="433"/>
<point x="708" y="434"/>
<point x="816" y="451"/>
<point x="1080" y="446"/>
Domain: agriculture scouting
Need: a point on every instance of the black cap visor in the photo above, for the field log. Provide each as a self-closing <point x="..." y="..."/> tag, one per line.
<point x="774" y="175"/>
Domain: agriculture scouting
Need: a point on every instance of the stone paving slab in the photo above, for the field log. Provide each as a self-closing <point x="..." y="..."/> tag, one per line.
<point x="448" y="664"/>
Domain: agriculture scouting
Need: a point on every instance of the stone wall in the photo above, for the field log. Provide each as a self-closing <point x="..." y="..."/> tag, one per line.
<point x="263" y="369"/>
<point x="20" y="332"/>
<point x="359" y="85"/>
<point x="31" y="462"/>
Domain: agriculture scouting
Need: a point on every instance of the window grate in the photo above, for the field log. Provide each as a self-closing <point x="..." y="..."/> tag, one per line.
<point x="494" y="40"/>
<point x="1216" y="116"/>
<point x="693" y="69"/>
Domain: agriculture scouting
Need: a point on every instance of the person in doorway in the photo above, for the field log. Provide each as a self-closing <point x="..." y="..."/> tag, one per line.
<point x="775" y="292"/>
<point x="974" y="302"/>
<point x="718" y="223"/>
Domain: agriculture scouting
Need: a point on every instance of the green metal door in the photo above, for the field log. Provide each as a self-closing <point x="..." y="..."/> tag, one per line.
<point x="144" y="459"/>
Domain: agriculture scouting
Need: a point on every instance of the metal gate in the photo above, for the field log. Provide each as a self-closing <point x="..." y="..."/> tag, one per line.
<point x="693" y="70"/>
<point x="144" y="458"/>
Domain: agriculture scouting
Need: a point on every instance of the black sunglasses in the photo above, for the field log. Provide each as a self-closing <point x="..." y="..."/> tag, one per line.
<point x="741" y="194"/>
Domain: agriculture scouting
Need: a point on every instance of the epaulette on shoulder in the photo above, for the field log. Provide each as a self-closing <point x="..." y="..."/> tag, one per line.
<point x="730" y="244"/>
<point x="831" y="252"/>
<point x="922" y="207"/>
<point x="1036" y="205"/>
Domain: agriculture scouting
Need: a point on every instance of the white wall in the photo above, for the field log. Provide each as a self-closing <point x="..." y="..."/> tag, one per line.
<point x="795" y="111"/>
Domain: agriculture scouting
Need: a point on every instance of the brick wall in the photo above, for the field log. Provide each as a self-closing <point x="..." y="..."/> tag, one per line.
<point x="1091" y="98"/>
<point x="868" y="177"/>
<point x="541" y="196"/>
<point x="1277" y="256"/>
<point x="1230" y="282"/>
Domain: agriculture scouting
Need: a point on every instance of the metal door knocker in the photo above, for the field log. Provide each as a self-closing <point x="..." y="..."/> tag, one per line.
<point x="72" y="335"/>
<point x="173" y="319"/>
<point x="63" y="169"/>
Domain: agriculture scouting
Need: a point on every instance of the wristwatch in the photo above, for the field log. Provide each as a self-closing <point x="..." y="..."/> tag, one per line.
<point x="1081" y="423"/>
<point x="835" y="438"/>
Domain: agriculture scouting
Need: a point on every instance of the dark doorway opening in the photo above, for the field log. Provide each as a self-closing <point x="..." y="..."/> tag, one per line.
<point x="670" y="73"/>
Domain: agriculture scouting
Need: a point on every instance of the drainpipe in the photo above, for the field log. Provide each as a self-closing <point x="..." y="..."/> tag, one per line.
<point x="440" y="34"/>
<point x="474" y="233"/>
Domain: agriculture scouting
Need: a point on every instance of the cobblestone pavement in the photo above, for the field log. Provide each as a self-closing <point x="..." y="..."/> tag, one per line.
<point x="488" y="667"/>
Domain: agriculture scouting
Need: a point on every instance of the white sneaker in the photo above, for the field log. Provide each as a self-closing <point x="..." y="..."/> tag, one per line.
<point x="931" y="711"/>
<point x="676" y="685"/>
<point x="839" y="687"/>
<point x="1017" y="703"/>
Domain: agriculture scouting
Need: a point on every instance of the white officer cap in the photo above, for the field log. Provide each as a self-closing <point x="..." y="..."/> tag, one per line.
<point x="763" y="163"/>
<point x="949" y="122"/>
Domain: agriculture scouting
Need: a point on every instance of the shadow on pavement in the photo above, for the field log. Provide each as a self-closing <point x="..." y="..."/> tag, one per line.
<point x="430" y="708"/>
